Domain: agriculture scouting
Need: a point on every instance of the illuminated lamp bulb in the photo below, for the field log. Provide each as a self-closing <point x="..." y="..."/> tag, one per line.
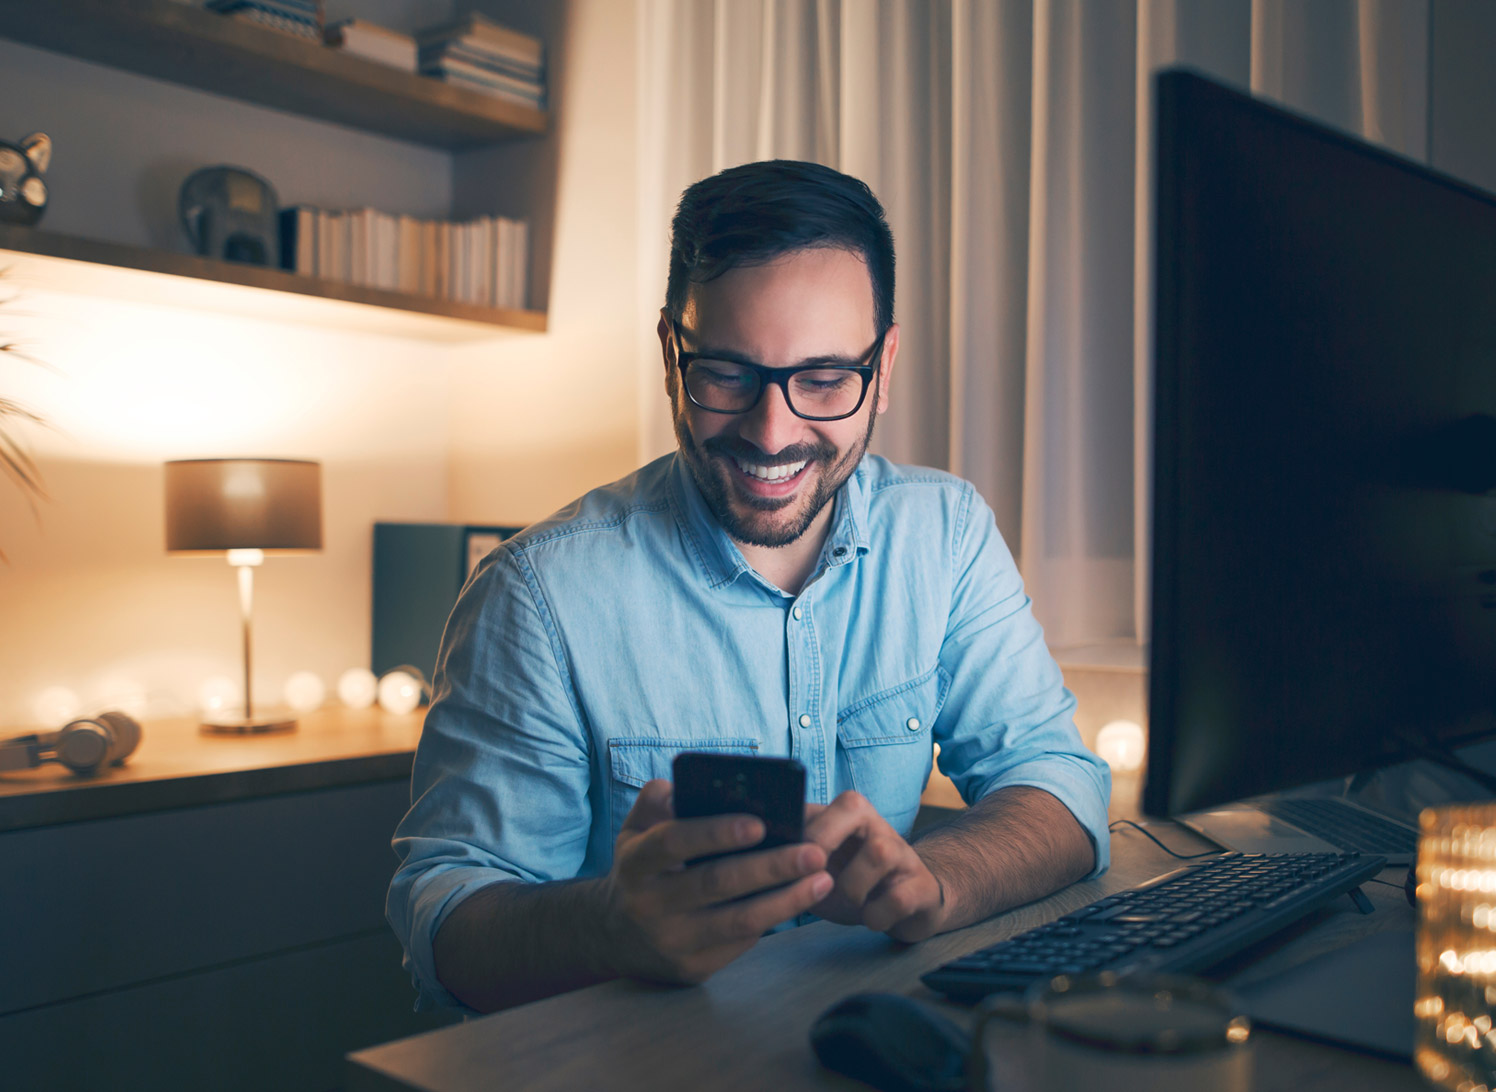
<point x="218" y="694"/>
<point x="399" y="692"/>
<point x="56" y="705"/>
<point x="305" y="691"/>
<point x="357" y="688"/>
<point x="1121" y="744"/>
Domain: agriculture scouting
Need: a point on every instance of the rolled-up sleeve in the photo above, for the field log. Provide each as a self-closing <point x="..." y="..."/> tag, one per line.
<point x="1008" y="719"/>
<point x="499" y="789"/>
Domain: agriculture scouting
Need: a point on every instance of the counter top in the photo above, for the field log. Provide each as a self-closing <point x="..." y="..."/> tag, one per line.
<point x="177" y="765"/>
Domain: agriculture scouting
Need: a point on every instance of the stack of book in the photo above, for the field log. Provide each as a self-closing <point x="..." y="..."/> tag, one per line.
<point x="483" y="261"/>
<point x="300" y="18"/>
<point x="373" y="42"/>
<point x="480" y="54"/>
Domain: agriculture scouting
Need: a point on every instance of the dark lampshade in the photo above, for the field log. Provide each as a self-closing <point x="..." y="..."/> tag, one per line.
<point x="243" y="504"/>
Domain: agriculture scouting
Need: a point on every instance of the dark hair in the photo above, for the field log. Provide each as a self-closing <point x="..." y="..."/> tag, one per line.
<point x="757" y="212"/>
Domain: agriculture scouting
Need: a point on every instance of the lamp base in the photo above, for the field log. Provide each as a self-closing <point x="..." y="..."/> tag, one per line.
<point x="262" y="724"/>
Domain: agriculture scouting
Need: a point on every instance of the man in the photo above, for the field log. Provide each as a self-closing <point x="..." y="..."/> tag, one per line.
<point x="767" y="589"/>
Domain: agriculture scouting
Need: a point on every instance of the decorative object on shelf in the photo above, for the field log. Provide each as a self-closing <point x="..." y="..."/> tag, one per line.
<point x="1456" y="872"/>
<point x="244" y="507"/>
<point x="84" y="746"/>
<point x="479" y="54"/>
<point x="298" y="18"/>
<point x="374" y="43"/>
<point x="23" y="193"/>
<point x="305" y="691"/>
<point x="230" y="213"/>
<point x="402" y="689"/>
<point x="358" y="687"/>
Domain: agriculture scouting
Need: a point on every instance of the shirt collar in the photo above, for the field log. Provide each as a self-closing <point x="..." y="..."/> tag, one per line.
<point x="718" y="557"/>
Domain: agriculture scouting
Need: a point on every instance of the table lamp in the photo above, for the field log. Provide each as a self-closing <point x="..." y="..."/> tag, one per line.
<point x="245" y="508"/>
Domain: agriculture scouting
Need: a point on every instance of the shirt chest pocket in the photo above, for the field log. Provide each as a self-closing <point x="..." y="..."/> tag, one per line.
<point x="884" y="745"/>
<point x="633" y="760"/>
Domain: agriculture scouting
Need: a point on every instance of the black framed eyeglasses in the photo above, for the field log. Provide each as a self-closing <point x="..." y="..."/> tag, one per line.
<point x="816" y="392"/>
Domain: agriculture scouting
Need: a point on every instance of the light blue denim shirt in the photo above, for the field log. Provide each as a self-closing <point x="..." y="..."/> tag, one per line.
<point x="591" y="648"/>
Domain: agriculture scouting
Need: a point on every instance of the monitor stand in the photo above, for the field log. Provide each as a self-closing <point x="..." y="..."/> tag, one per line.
<point x="1396" y="792"/>
<point x="1246" y="829"/>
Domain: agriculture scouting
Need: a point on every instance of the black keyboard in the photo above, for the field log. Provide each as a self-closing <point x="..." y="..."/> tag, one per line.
<point x="1182" y="922"/>
<point x="1341" y="825"/>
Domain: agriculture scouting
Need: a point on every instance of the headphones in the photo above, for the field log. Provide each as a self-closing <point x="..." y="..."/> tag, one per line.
<point x="84" y="746"/>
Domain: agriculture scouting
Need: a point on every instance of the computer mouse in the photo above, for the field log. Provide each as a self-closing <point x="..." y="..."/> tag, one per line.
<point x="892" y="1042"/>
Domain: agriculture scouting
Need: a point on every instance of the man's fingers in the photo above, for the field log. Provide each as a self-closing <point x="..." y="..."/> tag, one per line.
<point x="668" y="846"/>
<point x="751" y="917"/>
<point x="873" y="862"/>
<point x="714" y="882"/>
<point x="847" y="815"/>
<point x="902" y="906"/>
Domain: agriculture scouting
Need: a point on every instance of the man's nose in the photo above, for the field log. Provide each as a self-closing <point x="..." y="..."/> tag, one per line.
<point x="771" y="426"/>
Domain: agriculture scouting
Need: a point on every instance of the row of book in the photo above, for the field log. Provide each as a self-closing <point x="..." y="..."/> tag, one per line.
<point x="479" y="54"/>
<point x="483" y="261"/>
<point x="472" y="52"/>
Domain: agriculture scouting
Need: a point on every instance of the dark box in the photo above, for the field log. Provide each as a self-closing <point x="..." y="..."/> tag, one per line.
<point x="418" y="570"/>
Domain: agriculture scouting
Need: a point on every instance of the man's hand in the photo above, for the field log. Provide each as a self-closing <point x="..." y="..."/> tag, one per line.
<point x="677" y="923"/>
<point x="881" y="882"/>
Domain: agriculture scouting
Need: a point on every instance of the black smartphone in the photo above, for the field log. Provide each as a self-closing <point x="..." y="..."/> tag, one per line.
<point x="709" y="783"/>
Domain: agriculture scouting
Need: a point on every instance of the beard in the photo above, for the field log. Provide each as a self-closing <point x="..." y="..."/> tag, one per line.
<point x="752" y="520"/>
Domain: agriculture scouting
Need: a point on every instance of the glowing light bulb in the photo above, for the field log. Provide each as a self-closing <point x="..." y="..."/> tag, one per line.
<point x="399" y="692"/>
<point x="218" y="694"/>
<point x="305" y="691"/>
<point x="56" y="705"/>
<point x="1121" y="745"/>
<point x="357" y="688"/>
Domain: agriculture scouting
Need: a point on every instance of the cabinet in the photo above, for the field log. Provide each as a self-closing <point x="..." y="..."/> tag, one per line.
<point x="194" y="48"/>
<point x="238" y="945"/>
<point x="210" y="914"/>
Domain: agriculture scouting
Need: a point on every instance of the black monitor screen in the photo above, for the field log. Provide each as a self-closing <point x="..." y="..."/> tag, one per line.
<point x="1324" y="508"/>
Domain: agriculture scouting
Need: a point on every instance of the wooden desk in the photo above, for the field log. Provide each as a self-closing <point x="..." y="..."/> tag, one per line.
<point x="747" y="1028"/>
<point x="176" y="766"/>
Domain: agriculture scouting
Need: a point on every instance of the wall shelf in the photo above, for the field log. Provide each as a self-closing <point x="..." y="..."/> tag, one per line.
<point x="210" y="52"/>
<point x="49" y="262"/>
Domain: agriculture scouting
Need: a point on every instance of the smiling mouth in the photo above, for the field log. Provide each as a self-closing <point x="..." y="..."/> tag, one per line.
<point x="772" y="474"/>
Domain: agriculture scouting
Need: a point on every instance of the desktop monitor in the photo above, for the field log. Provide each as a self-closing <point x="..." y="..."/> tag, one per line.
<point x="1324" y="521"/>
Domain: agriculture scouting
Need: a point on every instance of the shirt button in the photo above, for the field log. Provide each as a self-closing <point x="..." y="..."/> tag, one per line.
<point x="804" y="720"/>
<point x="795" y="614"/>
<point x="912" y="724"/>
<point x="839" y="551"/>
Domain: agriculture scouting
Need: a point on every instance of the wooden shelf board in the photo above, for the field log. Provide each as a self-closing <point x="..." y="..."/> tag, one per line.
<point x="62" y="263"/>
<point x="197" y="48"/>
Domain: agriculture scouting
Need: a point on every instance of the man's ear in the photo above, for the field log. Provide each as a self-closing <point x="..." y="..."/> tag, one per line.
<point x="667" y="352"/>
<point x="885" y="367"/>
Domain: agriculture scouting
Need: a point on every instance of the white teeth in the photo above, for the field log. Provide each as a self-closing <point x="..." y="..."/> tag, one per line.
<point x="771" y="473"/>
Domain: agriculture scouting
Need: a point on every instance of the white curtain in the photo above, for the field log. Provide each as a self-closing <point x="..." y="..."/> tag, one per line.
<point x="1008" y="140"/>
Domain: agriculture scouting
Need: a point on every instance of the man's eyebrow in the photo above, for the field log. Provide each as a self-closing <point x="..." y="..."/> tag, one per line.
<point x="830" y="360"/>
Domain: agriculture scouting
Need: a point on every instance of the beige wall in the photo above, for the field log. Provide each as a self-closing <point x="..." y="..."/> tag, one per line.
<point x="503" y="429"/>
<point x="538" y="421"/>
<point x="91" y="602"/>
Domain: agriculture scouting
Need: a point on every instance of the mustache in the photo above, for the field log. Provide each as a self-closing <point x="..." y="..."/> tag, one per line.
<point x="736" y="448"/>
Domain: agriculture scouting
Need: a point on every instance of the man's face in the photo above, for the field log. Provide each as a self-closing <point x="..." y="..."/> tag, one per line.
<point x="766" y="474"/>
